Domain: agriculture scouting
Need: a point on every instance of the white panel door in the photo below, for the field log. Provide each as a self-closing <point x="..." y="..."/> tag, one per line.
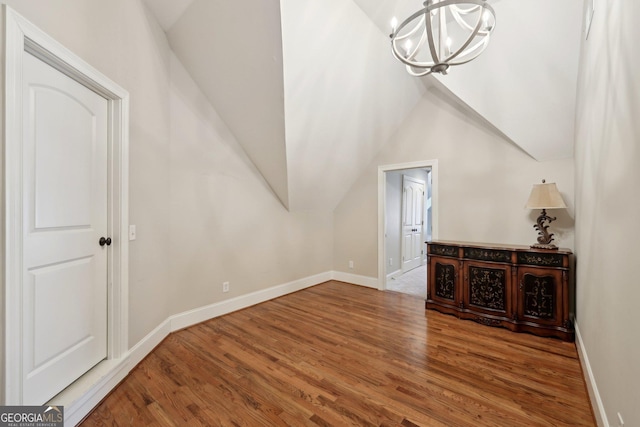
<point x="65" y="213"/>
<point x="412" y="222"/>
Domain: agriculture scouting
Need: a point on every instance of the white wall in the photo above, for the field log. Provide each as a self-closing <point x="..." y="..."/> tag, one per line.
<point x="124" y="42"/>
<point x="204" y="214"/>
<point x="484" y="183"/>
<point x="226" y="224"/>
<point x="393" y="217"/>
<point x="608" y="207"/>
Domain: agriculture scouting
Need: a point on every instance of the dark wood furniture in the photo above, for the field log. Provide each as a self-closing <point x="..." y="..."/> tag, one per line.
<point x="516" y="287"/>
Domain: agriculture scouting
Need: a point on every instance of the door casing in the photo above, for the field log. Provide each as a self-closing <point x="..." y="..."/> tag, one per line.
<point x="20" y="35"/>
<point x="382" y="197"/>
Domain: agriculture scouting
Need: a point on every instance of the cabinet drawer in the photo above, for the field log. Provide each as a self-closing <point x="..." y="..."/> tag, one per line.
<point x="493" y="255"/>
<point x="443" y="250"/>
<point x="540" y="259"/>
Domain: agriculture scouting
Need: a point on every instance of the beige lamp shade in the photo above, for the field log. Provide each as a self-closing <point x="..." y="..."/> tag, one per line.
<point x="545" y="196"/>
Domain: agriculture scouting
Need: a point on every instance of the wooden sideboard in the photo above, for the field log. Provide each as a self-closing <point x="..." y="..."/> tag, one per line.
<point x="516" y="287"/>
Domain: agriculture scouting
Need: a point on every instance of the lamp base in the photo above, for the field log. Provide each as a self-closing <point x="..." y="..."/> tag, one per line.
<point x="544" y="237"/>
<point x="549" y="246"/>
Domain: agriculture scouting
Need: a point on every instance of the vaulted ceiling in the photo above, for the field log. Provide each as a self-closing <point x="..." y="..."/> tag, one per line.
<point x="312" y="92"/>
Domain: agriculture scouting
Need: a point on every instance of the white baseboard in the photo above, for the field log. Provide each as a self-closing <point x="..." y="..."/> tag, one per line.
<point x="394" y="274"/>
<point x="81" y="398"/>
<point x="594" y="395"/>
<point x="369" y="282"/>
<point x="84" y="394"/>
<point x="192" y="317"/>
<point x="148" y="343"/>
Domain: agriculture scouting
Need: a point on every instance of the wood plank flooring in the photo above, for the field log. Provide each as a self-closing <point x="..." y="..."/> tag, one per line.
<point x="344" y="355"/>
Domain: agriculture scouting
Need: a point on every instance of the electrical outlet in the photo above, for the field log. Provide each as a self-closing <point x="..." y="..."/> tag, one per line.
<point x="351" y="264"/>
<point x="621" y="424"/>
<point x="225" y="287"/>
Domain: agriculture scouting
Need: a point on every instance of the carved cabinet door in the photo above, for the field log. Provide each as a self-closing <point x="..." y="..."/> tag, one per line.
<point x="540" y="296"/>
<point x="443" y="285"/>
<point x="487" y="288"/>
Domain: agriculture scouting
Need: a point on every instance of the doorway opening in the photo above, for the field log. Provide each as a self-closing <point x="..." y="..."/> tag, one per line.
<point x="407" y="219"/>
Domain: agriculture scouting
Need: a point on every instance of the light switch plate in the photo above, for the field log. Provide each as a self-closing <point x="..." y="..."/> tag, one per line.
<point x="132" y="232"/>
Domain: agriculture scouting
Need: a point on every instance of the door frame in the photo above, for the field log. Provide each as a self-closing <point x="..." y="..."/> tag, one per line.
<point x="20" y="36"/>
<point x="382" y="201"/>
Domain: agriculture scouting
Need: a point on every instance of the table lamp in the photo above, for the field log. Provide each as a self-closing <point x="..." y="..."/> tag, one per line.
<point x="545" y="196"/>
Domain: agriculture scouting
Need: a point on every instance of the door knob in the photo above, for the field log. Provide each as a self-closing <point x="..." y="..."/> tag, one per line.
<point x="104" y="241"/>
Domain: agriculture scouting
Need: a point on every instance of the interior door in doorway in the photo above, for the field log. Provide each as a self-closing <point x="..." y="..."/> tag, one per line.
<point x="64" y="296"/>
<point x="412" y="222"/>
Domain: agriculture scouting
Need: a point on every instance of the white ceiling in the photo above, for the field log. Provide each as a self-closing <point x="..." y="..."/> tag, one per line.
<point x="311" y="91"/>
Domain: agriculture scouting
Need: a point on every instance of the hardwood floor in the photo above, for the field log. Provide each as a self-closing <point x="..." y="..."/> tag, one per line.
<point x="339" y="355"/>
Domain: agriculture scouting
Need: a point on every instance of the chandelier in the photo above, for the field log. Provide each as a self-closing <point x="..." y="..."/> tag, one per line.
<point x="442" y="34"/>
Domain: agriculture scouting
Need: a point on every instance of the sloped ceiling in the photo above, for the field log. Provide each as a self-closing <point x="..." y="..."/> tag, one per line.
<point x="525" y="82"/>
<point x="344" y="97"/>
<point x="311" y="91"/>
<point x="233" y="51"/>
